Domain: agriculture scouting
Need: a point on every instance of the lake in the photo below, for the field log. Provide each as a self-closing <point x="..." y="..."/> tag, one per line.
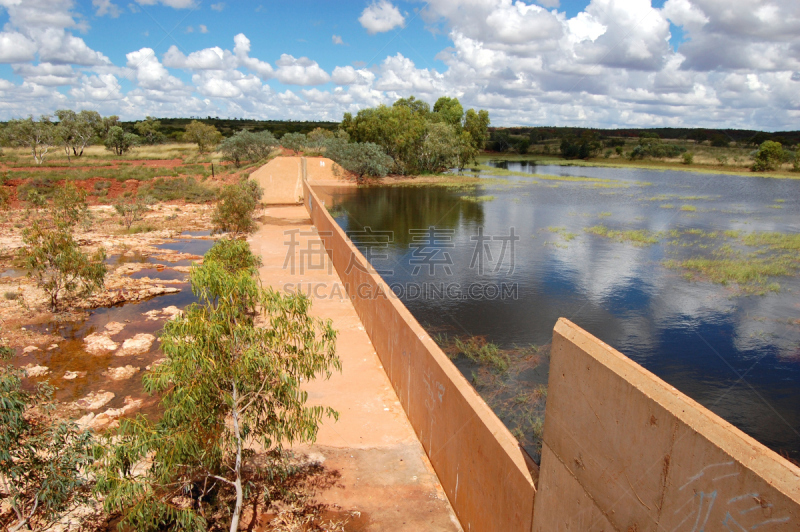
<point x="692" y="275"/>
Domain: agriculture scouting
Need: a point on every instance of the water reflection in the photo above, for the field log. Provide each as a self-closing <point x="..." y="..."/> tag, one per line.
<point x="735" y="354"/>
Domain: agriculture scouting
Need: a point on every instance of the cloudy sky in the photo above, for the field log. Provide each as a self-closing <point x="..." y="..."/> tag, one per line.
<point x="606" y="63"/>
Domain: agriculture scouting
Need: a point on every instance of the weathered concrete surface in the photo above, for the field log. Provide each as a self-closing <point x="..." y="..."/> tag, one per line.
<point x="625" y="451"/>
<point x="385" y="473"/>
<point x="281" y="179"/>
<point x="486" y="475"/>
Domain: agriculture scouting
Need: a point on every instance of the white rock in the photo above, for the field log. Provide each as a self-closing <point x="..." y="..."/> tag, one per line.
<point x="114" y="327"/>
<point x="30" y="349"/>
<point x="52" y="346"/>
<point x="108" y="418"/>
<point x="120" y="373"/>
<point x="99" y="344"/>
<point x="95" y="400"/>
<point x="137" y="345"/>
<point x="70" y="375"/>
<point x="34" y="370"/>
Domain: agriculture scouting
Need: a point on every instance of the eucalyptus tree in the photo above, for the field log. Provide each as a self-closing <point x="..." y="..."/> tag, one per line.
<point x="37" y="135"/>
<point x="231" y="377"/>
<point x="78" y="130"/>
<point x="43" y="460"/>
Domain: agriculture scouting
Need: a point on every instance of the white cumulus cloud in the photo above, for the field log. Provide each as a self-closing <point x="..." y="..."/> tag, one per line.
<point x="381" y="16"/>
<point x="300" y="71"/>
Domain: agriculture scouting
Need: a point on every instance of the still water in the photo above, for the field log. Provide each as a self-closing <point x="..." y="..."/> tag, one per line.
<point x="734" y="350"/>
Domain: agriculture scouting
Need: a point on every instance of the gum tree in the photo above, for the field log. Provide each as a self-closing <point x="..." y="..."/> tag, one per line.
<point x="43" y="460"/>
<point x="52" y="255"/>
<point x="231" y="378"/>
<point x="234" y="212"/>
<point x="37" y="135"/>
<point x="204" y="135"/>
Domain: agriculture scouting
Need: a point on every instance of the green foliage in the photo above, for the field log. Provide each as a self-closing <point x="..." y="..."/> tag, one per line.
<point x="42" y="460"/>
<point x="770" y="156"/>
<point x="186" y="189"/>
<point x="232" y="377"/>
<point x="247" y="146"/>
<point x="204" y="135"/>
<point x="130" y="210"/>
<point x="149" y="131"/>
<point x="448" y="110"/>
<point x="119" y="141"/>
<point x="580" y="148"/>
<point x="688" y="158"/>
<point x="414" y="137"/>
<point x="234" y="211"/>
<point x="318" y="138"/>
<point x="53" y="257"/>
<point x="37" y="135"/>
<point x="233" y="255"/>
<point x="78" y="130"/>
<point x="293" y="141"/>
<point x="653" y="148"/>
<point x="361" y="158"/>
<point x="477" y="125"/>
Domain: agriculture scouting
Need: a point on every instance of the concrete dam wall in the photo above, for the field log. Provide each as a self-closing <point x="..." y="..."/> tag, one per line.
<point x="622" y="451"/>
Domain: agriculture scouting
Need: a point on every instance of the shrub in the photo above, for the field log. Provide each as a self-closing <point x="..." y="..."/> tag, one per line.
<point x="204" y="135"/>
<point x="234" y="212"/>
<point x="119" y="141"/>
<point x="293" y="141"/>
<point x="363" y="159"/>
<point x="770" y="156"/>
<point x="130" y="211"/>
<point x="247" y="146"/>
<point x="688" y="158"/>
<point x="53" y="257"/>
<point x="186" y="189"/>
<point x="225" y="380"/>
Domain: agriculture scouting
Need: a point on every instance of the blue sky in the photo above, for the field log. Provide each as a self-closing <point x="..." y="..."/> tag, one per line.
<point x="607" y="63"/>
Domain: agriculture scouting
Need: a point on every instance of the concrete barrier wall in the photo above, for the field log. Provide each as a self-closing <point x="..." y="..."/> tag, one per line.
<point x="625" y="451"/>
<point x="486" y="475"/>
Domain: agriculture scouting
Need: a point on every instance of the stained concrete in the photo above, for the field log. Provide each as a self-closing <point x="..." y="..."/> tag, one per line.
<point x="385" y="473"/>
<point x="623" y="450"/>
<point x="486" y="475"/>
<point x="281" y="179"/>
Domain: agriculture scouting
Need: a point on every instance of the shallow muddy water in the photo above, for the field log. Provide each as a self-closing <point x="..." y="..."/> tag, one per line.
<point x="70" y="354"/>
<point x="594" y="245"/>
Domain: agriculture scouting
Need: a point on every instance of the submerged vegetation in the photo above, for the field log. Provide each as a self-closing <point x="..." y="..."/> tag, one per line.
<point x="641" y="237"/>
<point x="503" y="377"/>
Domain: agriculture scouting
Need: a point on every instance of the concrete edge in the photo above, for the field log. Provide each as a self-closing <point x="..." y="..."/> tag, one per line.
<point x="514" y="456"/>
<point x="753" y="455"/>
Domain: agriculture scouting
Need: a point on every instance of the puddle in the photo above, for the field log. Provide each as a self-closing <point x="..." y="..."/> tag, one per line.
<point x="166" y="274"/>
<point x="70" y="354"/>
<point x="13" y="274"/>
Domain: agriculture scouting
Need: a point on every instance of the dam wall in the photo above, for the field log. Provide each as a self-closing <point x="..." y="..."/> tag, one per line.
<point x="622" y="449"/>
<point x="487" y="477"/>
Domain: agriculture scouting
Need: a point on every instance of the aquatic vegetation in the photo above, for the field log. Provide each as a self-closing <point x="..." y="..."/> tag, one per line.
<point x="477" y="199"/>
<point x="688" y="208"/>
<point x="604" y="214"/>
<point x="562" y="231"/>
<point x="667" y="206"/>
<point x="751" y="275"/>
<point x="639" y="237"/>
<point x="774" y="255"/>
